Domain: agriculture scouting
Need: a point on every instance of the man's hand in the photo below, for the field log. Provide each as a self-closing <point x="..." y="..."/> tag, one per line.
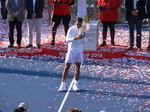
<point x="33" y="15"/>
<point x="78" y="37"/>
<point x="134" y="13"/>
<point x="15" y="14"/>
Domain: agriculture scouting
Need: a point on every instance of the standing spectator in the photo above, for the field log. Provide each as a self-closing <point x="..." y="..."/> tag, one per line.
<point x="49" y="8"/>
<point x="95" y="9"/>
<point x="108" y="15"/>
<point x="74" y="55"/>
<point x="135" y="13"/>
<point x="15" y="17"/>
<point x="3" y="9"/>
<point x="0" y="5"/>
<point x="81" y="9"/>
<point x="34" y="15"/>
<point x="148" y="16"/>
<point x="61" y="12"/>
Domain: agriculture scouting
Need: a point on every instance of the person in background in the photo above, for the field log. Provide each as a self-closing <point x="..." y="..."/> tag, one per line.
<point x="108" y="15"/>
<point x="61" y="12"/>
<point x="95" y="9"/>
<point x="3" y="9"/>
<point x="15" y="17"/>
<point x="49" y="8"/>
<point x="148" y="16"/>
<point x="74" y="55"/>
<point x="81" y="9"/>
<point x="135" y="13"/>
<point x="34" y="15"/>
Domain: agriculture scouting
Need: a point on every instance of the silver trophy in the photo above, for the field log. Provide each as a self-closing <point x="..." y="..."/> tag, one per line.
<point x="81" y="31"/>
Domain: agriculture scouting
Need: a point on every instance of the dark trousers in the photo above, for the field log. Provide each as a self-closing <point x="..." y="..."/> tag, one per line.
<point x="3" y="9"/>
<point x="18" y="25"/>
<point x="135" y="21"/>
<point x="109" y="24"/>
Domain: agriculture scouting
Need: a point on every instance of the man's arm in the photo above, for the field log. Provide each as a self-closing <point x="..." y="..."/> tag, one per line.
<point x="28" y="8"/>
<point x="22" y="7"/>
<point x="128" y="5"/>
<point x="71" y="36"/>
<point x="8" y="5"/>
<point x="41" y="6"/>
<point x="141" y="5"/>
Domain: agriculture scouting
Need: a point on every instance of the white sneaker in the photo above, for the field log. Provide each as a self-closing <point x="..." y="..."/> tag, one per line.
<point x="75" y="86"/>
<point x="62" y="87"/>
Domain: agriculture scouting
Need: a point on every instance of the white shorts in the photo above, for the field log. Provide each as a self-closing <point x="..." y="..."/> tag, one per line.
<point x="74" y="57"/>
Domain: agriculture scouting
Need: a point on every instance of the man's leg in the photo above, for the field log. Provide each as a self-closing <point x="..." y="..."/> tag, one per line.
<point x="77" y="71"/>
<point x="31" y="24"/>
<point x="104" y="33"/>
<point x="65" y="72"/>
<point x="66" y="20"/>
<point x="131" y="33"/>
<point x="148" y="47"/>
<point x="38" y="26"/>
<point x="56" y="22"/>
<point x="11" y="33"/>
<point x="64" y="77"/>
<point x="19" y="32"/>
<point x="76" y="76"/>
<point x="66" y="29"/>
<point x="54" y="29"/>
<point x="138" y="35"/>
<point x="112" y="32"/>
<point x="95" y="9"/>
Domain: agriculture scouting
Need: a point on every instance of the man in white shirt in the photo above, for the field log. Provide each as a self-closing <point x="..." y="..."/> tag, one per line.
<point x="74" y="55"/>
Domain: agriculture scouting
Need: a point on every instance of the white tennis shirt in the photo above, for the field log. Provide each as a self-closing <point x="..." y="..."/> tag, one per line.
<point x="74" y="45"/>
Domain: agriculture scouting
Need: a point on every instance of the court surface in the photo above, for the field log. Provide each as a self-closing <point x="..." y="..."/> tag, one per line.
<point x="116" y="85"/>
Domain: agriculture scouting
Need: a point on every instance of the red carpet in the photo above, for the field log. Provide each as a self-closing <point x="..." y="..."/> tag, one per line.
<point x="59" y="51"/>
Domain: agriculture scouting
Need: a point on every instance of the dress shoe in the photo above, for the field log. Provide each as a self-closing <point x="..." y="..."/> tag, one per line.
<point x="139" y="48"/>
<point x="10" y="45"/>
<point x="148" y="48"/>
<point x="38" y="46"/>
<point x="103" y="43"/>
<point x="29" y="46"/>
<point x="130" y="47"/>
<point x="53" y="42"/>
<point x="112" y="44"/>
<point x="18" y="46"/>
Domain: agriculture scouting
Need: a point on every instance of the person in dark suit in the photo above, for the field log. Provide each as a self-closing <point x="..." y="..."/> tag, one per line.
<point x="135" y="13"/>
<point x="3" y="9"/>
<point x="15" y="17"/>
<point x="34" y="15"/>
<point x="148" y="16"/>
